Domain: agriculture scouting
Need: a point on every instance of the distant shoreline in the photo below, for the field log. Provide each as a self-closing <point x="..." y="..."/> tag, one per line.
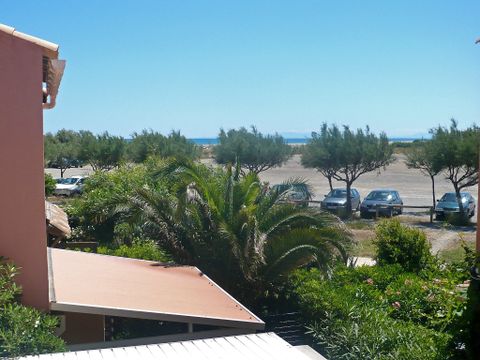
<point x="290" y="141"/>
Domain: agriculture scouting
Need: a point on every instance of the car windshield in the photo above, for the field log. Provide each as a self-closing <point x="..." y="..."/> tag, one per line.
<point x="451" y="197"/>
<point x="70" y="181"/>
<point x="380" y="195"/>
<point x="339" y="193"/>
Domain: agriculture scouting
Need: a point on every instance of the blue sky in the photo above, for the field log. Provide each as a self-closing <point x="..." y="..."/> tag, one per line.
<point x="284" y="66"/>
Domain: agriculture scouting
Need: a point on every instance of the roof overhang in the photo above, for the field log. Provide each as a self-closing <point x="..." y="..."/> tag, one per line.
<point x="53" y="68"/>
<point x="108" y="285"/>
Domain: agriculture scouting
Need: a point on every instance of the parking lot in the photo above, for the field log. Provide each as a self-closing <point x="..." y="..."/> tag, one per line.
<point x="414" y="188"/>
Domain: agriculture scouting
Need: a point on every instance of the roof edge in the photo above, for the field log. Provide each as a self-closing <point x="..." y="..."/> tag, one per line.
<point x="151" y="315"/>
<point x="50" y="49"/>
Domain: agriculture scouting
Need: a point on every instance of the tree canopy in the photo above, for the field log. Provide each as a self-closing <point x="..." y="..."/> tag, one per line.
<point x="62" y="150"/>
<point x="456" y="154"/>
<point x="345" y="155"/>
<point x="254" y="151"/>
<point x="101" y="152"/>
<point x="151" y="143"/>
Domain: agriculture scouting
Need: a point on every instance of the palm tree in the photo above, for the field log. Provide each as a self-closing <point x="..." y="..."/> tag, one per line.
<point x="243" y="236"/>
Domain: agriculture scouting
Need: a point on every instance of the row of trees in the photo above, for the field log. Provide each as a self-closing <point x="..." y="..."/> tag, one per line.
<point x="253" y="150"/>
<point x="340" y="154"/>
<point x="67" y="148"/>
<point x="344" y="155"/>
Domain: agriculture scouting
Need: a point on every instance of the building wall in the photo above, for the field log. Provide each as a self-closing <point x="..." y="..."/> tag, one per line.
<point x="83" y="328"/>
<point x="22" y="212"/>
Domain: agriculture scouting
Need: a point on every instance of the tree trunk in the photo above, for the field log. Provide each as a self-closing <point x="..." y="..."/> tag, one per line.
<point x="329" y="177"/>
<point x="433" y="191"/>
<point x="349" y="200"/>
<point x="62" y="171"/>
<point x="459" y="200"/>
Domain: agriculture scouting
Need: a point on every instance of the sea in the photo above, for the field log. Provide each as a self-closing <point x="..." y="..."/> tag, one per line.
<point x="297" y="141"/>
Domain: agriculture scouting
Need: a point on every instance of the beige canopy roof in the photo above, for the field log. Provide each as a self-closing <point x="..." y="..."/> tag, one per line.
<point x="57" y="221"/>
<point x="109" y="285"/>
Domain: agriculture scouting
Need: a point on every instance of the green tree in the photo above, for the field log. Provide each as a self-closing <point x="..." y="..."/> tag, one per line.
<point x="102" y="152"/>
<point x="345" y="155"/>
<point x="62" y="150"/>
<point x="254" y="151"/>
<point x="423" y="156"/>
<point x="243" y="237"/>
<point x="151" y="143"/>
<point x="456" y="153"/>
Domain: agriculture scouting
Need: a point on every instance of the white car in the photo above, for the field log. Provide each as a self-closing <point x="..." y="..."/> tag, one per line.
<point x="70" y="186"/>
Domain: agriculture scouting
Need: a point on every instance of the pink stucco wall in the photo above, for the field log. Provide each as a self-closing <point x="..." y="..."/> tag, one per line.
<point x="22" y="213"/>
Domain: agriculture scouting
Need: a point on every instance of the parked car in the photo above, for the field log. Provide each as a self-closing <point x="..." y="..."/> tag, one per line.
<point x="70" y="186"/>
<point x="448" y="204"/>
<point x="336" y="200"/>
<point x="297" y="192"/>
<point x="382" y="199"/>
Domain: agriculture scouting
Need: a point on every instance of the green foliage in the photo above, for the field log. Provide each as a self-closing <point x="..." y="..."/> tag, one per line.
<point x="102" y="152"/>
<point x="399" y="244"/>
<point x="139" y="249"/>
<point x="151" y="143"/>
<point x="62" y="150"/>
<point x="94" y="216"/>
<point x="246" y="239"/>
<point x="252" y="150"/>
<point x="345" y="155"/>
<point x="23" y="330"/>
<point x="382" y="312"/>
<point x="456" y="154"/>
<point x="49" y="184"/>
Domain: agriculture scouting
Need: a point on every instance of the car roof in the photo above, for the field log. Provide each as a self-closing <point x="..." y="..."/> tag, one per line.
<point x="462" y="193"/>
<point x="392" y="190"/>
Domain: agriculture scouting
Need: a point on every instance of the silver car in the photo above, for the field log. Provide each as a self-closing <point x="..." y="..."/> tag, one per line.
<point x="381" y="201"/>
<point x="448" y="204"/>
<point x="336" y="200"/>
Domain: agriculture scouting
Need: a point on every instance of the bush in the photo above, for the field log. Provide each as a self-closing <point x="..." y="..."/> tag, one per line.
<point x="23" y="330"/>
<point x="372" y="335"/>
<point x="382" y="312"/>
<point x="140" y="249"/>
<point x="49" y="184"/>
<point x="93" y="215"/>
<point x="399" y="244"/>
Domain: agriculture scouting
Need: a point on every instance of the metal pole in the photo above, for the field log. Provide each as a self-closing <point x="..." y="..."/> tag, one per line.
<point x="477" y="247"/>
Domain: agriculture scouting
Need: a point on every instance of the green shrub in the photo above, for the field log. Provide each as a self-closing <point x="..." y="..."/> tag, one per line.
<point x="140" y="249"/>
<point x="372" y="335"/>
<point x="49" y="184"/>
<point x="399" y="244"/>
<point x="382" y="312"/>
<point x="93" y="215"/>
<point x="23" y="330"/>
